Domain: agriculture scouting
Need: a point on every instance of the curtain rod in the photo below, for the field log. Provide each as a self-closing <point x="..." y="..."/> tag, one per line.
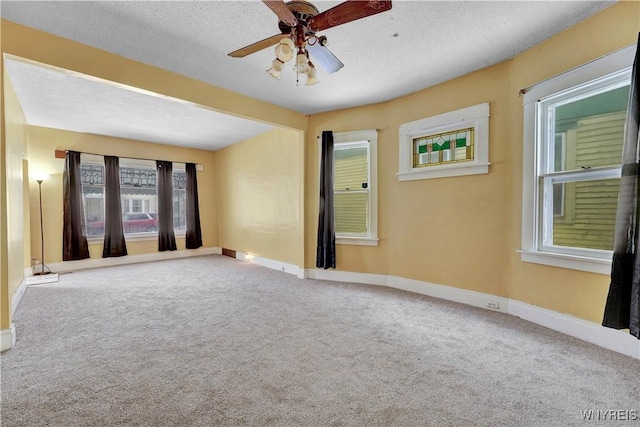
<point x="349" y="131"/>
<point x="61" y="154"/>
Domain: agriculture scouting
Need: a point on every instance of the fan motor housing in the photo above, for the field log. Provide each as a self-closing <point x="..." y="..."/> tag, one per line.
<point x="302" y="10"/>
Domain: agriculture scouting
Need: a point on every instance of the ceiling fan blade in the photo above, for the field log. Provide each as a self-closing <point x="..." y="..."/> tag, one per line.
<point x="324" y="57"/>
<point x="347" y="12"/>
<point x="284" y="14"/>
<point x="257" y="46"/>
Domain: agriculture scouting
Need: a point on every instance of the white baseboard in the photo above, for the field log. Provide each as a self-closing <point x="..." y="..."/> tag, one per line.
<point x="347" y="276"/>
<point x="269" y="263"/>
<point x="463" y="296"/>
<point x="611" y="339"/>
<point x="8" y="338"/>
<point x="131" y="259"/>
<point x="17" y="296"/>
<point x="449" y="293"/>
<point x="41" y="280"/>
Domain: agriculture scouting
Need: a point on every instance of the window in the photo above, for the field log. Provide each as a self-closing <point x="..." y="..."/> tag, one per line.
<point x="449" y="144"/>
<point x="92" y="178"/>
<point x="138" y="196"/>
<point x="443" y="148"/>
<point x="574" y="127"/>
<point x="355" y="187"/>
<point x="179" y="199"/>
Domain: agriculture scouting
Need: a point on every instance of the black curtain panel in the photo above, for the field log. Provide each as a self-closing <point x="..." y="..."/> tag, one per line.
<point x="114" y="243"/>
<point x="622" y="310"/>
<point x="194" y="234"/>
<point x="74" y="239"/>
<point x="326" y="249"/>
<point x="166" y="236"/>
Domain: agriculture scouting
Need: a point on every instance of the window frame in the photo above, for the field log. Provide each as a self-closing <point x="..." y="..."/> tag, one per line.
<point x="93" y="161"/>
<point x="127" y="162"/>
<point x="586" y="79"/>
<point x="563" y="153"/>
<point x="368" y="137"/>
<point x="131" y="163"/>
<point x="181" y="167"/>
<point x="475" y="116"/>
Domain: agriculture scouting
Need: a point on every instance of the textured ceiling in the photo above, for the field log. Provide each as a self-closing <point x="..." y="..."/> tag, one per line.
<point x="61" y="99"/>
<point x="415" y="45"/>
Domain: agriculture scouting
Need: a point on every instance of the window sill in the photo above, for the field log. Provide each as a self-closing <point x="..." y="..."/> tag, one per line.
<point x="357" y="241"/>
<point x="444" y="171"/>
<point x="573" y="262"/>
<point x="135" y="238"/>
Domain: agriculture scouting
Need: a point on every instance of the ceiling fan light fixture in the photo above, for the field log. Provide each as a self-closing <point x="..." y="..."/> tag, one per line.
<point x="284" y="49"/>
<point x="276" y="67"/>
<point x="299" y="21"/>
<point x="287" y="42"/>
<point x="311" y="76"/>
<point x="302" y="63"/>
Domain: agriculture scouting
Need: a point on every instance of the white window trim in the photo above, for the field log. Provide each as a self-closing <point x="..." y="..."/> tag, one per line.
<point x="476" y="116"/>
<point x="370" y="135"/>
<point x="137" y="237"/>
<point x="583" y="260"/>
<point x="563" y="160"/>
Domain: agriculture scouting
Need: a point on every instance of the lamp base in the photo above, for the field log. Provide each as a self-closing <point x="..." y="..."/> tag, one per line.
<point x="41" y="273"/>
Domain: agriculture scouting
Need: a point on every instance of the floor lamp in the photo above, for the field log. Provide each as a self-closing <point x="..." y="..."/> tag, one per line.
<point x="39" y="180"/>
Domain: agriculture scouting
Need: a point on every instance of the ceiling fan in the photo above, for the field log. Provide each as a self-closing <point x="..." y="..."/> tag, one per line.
<point x="299" y="21"/>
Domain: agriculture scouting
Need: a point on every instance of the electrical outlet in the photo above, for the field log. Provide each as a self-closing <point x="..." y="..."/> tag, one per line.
<point x="494" y="305"/>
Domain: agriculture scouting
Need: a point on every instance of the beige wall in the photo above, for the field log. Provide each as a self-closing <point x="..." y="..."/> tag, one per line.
<point x="44" y="141"/>
<point x="464" y="231"/>
<point x="26" y="211"/>
<point x="260" y="196"/>
<point x="15" y="133"/>
<point x="448" y="231"/>
<point x="5" y="309"/>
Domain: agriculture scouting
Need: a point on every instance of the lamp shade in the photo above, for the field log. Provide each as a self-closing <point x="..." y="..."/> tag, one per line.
<point x="323" y="57"/>
<point x="276" y="67"/>
<point x="40" y="176"/>
<point x="311" y="76"/>
<point x="284" y="49"/>
<point x="302" y="63"/>
<point x="288" y="42"/>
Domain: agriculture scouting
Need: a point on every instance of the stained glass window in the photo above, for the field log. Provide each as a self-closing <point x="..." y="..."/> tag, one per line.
<point x="92" y="174"/>
<point x="137" y="177"/>
<point x="443" y="148"/>
<point x="179" y="179"/>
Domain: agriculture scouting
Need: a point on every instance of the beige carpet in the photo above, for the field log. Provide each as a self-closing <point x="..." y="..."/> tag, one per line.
<point x="211" y="341"/>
